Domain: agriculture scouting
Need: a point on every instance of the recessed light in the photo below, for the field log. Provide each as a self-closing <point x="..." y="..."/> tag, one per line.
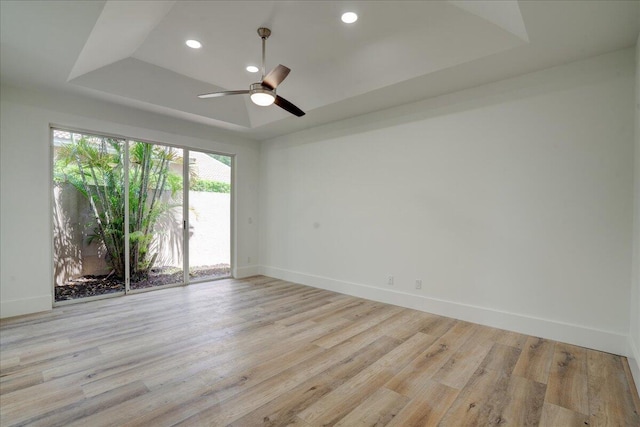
<point x="193" y="44"/>
<point x="349" y="17"/>
<point x="252" y="69"/>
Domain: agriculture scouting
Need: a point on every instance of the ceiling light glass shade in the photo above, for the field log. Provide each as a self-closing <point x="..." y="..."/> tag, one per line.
<point x="349" y="17"/>
<point x="194" y="44"/>
<point x="262" y="99"/>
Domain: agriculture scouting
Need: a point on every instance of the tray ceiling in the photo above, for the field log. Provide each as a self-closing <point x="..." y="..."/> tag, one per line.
<point x="134" y="52"/>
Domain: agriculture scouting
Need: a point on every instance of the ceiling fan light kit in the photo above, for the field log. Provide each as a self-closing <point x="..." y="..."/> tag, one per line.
<point x="261" y="96"/>
<point x="263" y="93"/>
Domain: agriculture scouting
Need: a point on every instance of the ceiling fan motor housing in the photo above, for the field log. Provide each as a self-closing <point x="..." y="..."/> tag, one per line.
<point x="259" y="88"/>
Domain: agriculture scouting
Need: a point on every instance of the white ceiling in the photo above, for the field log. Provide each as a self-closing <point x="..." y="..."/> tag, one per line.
<point x="133" y="52"/>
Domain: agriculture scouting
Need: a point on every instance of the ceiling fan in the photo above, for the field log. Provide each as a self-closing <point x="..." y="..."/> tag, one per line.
<point x="263" y="93"/>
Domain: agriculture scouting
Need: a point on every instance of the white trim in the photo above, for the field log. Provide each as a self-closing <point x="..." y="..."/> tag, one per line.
<point x="127" y="242"/>
<point x="247" y="271"/>
<point x="52" y="201"/>
<point x="633" y="358"/>
<point x="233" y="230"/>
<point x="186" y="183"/>
<point x="18" y="307"/>
<point x="597" y="339"/>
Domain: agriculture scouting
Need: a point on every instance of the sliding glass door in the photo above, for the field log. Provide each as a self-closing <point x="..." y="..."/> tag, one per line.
<point x="120" y="215"/>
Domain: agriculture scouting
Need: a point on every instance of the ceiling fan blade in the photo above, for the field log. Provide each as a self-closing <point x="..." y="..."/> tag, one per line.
<point x="286" y="105"/>
<point x="225" y="93"/>
<point x="275" y="77"/>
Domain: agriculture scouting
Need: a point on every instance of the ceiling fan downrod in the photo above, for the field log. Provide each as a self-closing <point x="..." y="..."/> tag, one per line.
<point x="264" y="34"/>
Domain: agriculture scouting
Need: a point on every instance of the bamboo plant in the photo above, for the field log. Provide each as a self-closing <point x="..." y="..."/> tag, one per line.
<point x="95" y="168"/>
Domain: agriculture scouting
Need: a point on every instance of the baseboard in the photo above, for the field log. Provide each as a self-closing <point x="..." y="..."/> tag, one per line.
<point x="596" y="339"/>
<point x="19" y="307"/>
<point x="242" y="272"/>
<point x="634" y="362"/>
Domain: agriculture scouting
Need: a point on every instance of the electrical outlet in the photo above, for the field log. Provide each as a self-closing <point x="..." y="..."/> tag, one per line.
<point x="418" y="284"/>
<point x="390" y="281"/>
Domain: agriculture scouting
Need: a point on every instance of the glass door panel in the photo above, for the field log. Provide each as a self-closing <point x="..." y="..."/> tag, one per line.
<point x="155" y="215"/>
<point x="88" y="215"/>
<point x="209" y="216"/>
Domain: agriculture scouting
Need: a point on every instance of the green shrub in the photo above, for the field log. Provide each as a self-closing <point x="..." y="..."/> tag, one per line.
<point x="209" y="186"/>
<point x="95" y="167"/>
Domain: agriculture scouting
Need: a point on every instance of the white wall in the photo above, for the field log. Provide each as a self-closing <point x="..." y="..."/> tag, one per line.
<point x="25" y="182"/>
<point x="634" y="327"/>
<point x="512" y="202"/>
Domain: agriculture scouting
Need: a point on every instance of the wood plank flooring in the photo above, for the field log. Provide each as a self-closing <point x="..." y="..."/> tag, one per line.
<point x="264" y="352"/>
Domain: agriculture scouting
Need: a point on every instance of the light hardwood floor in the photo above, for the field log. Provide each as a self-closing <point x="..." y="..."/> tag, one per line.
<point x="262" y="351"/>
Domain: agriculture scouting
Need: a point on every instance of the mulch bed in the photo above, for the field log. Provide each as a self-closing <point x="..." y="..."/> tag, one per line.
<point x="89" y="286"/>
